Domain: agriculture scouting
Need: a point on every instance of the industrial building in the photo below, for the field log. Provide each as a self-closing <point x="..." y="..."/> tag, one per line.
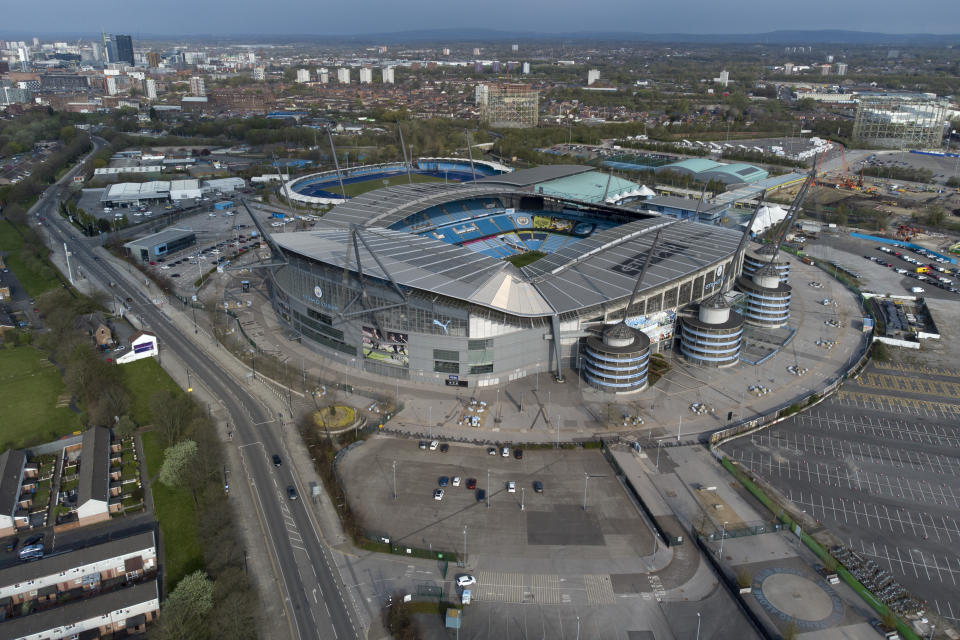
<point x="900" y="121"/>
<point x="416" y="281"/>
<point x="508" y="105"/>
<point x="157" y="245"/>
<point x="136" y="193"/>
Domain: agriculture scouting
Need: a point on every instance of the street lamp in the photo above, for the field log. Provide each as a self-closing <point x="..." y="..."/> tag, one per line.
<point x="723" y="534"/>
<point x="394" y="479"/>
<point x="578" y="627"/>
<point x="488" y="488"/>
<point x="698" y="625"/>
<point x="464" y="544"/>
<point x="521" y="497"/>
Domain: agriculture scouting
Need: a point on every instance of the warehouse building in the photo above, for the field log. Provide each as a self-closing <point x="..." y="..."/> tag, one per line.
<point x="157" y="245"/>
<point x="706" y="170"/>
<point x="125" y="194"/>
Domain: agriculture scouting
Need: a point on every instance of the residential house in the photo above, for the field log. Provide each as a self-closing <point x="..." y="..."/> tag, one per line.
<point x="114" y="614"/>
<point x="93" y="491"/>
<point x="111" y="563"/>
<point x="12" y="464"/>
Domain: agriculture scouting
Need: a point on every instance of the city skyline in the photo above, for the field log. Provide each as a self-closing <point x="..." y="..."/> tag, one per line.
<point x="296" y="17"/>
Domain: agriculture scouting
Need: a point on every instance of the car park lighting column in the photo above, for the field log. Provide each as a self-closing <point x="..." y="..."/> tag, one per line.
<point x="464" y="545"/>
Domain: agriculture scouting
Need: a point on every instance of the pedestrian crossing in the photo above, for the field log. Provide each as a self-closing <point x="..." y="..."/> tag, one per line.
<point x="500" y="586"/>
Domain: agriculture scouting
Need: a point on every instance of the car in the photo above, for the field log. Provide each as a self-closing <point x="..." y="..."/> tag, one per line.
<point x="492" y="451"/>
<point x="165" y="267"/>
<point x="481" y="495"/>
<point x="276" y="460"/>
<point x="12" y="543"/>
<point x="511" y="486"/>
<point x="443" y="481"/>
<point x="291" y="492"/>
<point x="438" y="494"/>
<point x="466" y="580"/>
<point x="31" y="552"/>
<point x="456" y="481"/>
<point x="175" y="275"/>
<point x="505" y="452"/>
<point x="32" y="540"/>
<point x="120" y="348"/>
<point x="471" y="483"/>
<point x="423" y="444"/>
<point x="518" y="454"/>
<point x="537" y="486"/>
<point x="444" y="448"/>
<point x="434" y="445"/>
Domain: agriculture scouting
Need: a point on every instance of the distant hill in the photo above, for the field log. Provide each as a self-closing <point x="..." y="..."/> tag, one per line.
<point x="784" y="37"/>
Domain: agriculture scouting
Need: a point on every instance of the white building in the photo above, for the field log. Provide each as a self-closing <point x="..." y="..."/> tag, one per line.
<point x="592" y="76"/>
<point x="343" y="75"/>
<point x="143" y="344"/>
<point x="388" y="75"/>
<point x="259" y="74"/>
<point x="303" y="75"/>
<point x="111" y="85"/>
<point x="198" y="87"/>
<point x="366" y="75"/>
<point x="724" y="79"/>
<point x="526" y="67"/>
<point x="841" y="68"/>
<point x="323" y="75"/>
<point x="185" y="189"/>
<point x="150" y="88"/>
<point x="514" y="47"/>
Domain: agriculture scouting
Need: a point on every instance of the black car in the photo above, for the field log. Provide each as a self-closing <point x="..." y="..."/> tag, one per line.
<point x="32" y="540"/>
<point x="481" y="495"/>
<point x="444" y="448"/>
<point x="276" y="460"/>
<point x="291" y="493"/>
<point x="538" y="486"/>
<point x="518" y="454"/>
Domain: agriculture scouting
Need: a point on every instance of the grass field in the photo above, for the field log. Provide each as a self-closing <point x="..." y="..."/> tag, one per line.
<point x="35" y="276"/>
<point x="356" y="188"/>
<point x="523" y="259"/>
<point x="143" y="378"/>
<point x="174" y="510"/>
<point x="29" y="388"/>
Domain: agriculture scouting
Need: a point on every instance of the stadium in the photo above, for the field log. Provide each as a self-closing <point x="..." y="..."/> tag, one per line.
<point x="324" y="188"/>
<point x="481" y="283"/>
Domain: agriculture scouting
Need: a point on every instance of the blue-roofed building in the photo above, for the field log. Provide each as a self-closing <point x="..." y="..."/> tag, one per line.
<point x="686" y="208"/>
<point x="590" y="186"/>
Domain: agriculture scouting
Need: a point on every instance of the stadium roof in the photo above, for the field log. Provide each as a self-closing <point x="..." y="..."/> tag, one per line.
<point x="383" y="207"/>
<point x="596" y="270"/>
<point x="704" y="169"/>
<point x="693" y="165"/>
<point x="536" y="175"/>
<point x="590" y="186"/>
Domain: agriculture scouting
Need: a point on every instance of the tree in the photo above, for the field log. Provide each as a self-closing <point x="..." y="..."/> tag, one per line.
<point x="935" y="215"/>
<point x="125" y="426"/>
<point x="176" y="463"/>
<point x="67" y="133"/>
<point x="172" y="413"/>
<point x="182" y="615"/>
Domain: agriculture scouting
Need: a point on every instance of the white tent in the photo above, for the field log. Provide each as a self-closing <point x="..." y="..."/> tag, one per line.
<point x="646" y="192"/>
<point x="767" y="217"/>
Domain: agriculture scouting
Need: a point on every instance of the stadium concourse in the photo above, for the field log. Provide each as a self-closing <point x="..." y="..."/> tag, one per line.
<point x="467" y="290"/>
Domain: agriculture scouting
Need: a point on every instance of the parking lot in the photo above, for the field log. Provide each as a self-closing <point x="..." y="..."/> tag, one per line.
<point x="878" y="465"/>
<point x="505" y="525"/>
<point x="854" y="255"/>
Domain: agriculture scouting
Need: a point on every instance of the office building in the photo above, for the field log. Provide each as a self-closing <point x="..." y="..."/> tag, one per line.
<point x="303" y="75"/>
<point x="841" y="68"/>
<point x="259" y="74"/>
<point x="343" y="75"/>
<point x="124" y="49"/>
<point x="366" y="75"/>
<point x="150" y="88"/>
<point x="323" y="75"/>
<point x="724" y="79"/>
<point x="787" y="68"/>
<point x="508" y="105"/>
<point x="514" y="47"/>
<point x="526" y="67"/>
<point x="476" y="51"/>
<point x="197" y="86"/>
<point x="153" y="59"/>
<point x="388" y="75"/>
<point x="111" y="85"/>
<point x="593" y="75"/>
<point x="446" y="51"/>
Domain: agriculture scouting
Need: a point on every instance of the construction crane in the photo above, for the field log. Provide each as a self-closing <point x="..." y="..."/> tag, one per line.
<point x="792" y="213"/>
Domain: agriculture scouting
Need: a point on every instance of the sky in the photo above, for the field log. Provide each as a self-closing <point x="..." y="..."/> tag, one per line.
<point x="326" y="17"/>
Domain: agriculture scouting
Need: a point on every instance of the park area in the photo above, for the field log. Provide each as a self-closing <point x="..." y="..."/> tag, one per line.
<point x="34" y="399"/>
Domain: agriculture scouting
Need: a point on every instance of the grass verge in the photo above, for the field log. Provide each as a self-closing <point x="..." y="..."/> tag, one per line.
<point x="29" y="388"/>
<point x="35" y="275"/>
<point x="174" y="509"/>
<point x="144" y="378"/>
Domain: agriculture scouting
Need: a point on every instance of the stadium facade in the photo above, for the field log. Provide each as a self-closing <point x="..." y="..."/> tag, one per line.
<point x="427" y="282"/>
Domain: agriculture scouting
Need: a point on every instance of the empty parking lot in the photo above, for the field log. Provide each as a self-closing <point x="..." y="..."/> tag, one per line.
<point x="879" y="466"/>
<point x="504" y="525"/>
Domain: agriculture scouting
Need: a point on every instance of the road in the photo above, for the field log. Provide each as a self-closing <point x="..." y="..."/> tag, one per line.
<point x="312" y="596"/>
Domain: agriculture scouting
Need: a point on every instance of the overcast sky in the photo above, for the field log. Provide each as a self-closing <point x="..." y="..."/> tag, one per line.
<point x="322" y="17"/>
